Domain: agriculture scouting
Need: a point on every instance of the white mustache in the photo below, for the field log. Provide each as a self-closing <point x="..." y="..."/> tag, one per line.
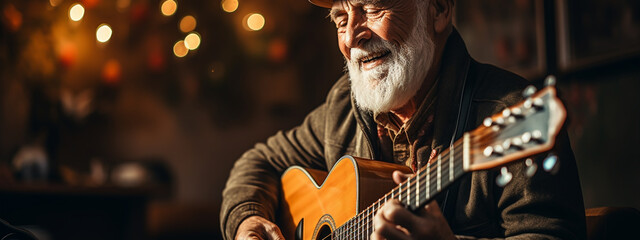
<point x="370" y="48"/>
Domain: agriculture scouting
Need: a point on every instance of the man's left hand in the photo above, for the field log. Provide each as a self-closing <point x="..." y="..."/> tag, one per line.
<point x="394" y="221"/>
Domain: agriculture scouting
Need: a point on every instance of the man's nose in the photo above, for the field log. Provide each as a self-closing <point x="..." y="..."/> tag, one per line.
<point x="357" y="32"/>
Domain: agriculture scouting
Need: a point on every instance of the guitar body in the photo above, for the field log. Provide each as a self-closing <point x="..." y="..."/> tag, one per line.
<point x="315" y="202"/>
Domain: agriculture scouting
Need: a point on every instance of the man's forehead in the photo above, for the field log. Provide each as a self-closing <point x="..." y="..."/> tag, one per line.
<point x="337" y="7"/>
<point x="330" y="3"/>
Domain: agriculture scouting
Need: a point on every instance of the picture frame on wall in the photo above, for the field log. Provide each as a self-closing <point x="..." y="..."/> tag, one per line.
<point x="506" y="33"/>
<point x="593" y="32"/>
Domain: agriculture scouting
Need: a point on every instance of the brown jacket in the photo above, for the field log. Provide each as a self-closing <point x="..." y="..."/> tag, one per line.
<point x="548" y="206"/>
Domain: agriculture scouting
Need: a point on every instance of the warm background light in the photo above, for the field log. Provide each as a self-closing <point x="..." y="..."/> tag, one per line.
<point x="54" y="2"/>
<point x="179" y="49"/>
<point x="188" y="24"/>
<point x="169" y="7"/>
<point x="76" y="12"/>
<point x="255" y="21"/>
<point x="103" y="33"/>
<point x="123" y="4"/>
<point x="192" y="41"/>
<point x="229" y="5"/>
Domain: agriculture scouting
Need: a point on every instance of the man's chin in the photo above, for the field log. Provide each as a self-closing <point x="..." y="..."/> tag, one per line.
<point x="373" y="78"/>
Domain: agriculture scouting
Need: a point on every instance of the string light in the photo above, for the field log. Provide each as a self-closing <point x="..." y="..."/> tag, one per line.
<point x="55" y="2"/>
<point x="123" y="4"/>
<point x="103" y="34"/>
<point x="255" y="21"/>
<point x="169" y="7"/>
<point x="76" y="12"/>
<point x="188" y="24"/>
<point x="229" y="5"/>
<point x="179" y="49"/>
<point x="192" y="41"/>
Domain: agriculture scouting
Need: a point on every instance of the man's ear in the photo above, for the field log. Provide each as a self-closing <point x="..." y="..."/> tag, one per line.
<point x="442" y="11"/>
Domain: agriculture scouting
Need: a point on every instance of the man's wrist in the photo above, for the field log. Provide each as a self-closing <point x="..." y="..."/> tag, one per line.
<point x="240" y="213"/>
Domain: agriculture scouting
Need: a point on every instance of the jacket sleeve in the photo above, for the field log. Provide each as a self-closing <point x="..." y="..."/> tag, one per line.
<point x="253" y="186"/>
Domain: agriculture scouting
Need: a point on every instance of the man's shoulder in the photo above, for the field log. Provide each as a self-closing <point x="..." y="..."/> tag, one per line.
<point x="497" y="84"/>
<point x="340" y="92"/>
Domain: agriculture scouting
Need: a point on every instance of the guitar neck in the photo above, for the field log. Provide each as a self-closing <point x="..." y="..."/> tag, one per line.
<point x="414" y="193"/>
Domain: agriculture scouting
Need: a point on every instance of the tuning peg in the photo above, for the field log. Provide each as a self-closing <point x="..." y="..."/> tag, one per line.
<point x="536" y="135"/>
<point x="550" y="164"/>
<point x="499" y="122"/>
<point x="498" y="149"/>
<point x="530" y="90"/>
<point x="506" y="112"/>
<point x="516" y="112"/>
<point x="488" y="151"/>
<point x="487" y="122"/>
<point x="538" y="103"/>
<point x="550" y="81"/>
<point x="506" y="144"/>
<point x="532" y="167"/>
<point x="517" y="142"/>
<point x="504" y="178"/>
<point x="526" y="137"/>
<point x="509" y="115"/>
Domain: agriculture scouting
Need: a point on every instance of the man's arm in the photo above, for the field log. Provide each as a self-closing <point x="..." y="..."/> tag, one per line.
<point x="253" y="185"/>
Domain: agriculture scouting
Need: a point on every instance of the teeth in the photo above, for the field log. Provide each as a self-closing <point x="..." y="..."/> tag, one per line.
<point x="371" y="57"/>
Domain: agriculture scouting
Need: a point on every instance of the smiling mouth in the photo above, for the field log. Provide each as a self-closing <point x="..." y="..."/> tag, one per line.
<point x="375" y="56"/>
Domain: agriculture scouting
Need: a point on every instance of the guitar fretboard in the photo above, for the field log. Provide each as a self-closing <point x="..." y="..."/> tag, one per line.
<point x="414" y="193"/>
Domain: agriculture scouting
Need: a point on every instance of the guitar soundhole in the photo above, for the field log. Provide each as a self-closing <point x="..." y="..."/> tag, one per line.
<point x="324" y="232"/>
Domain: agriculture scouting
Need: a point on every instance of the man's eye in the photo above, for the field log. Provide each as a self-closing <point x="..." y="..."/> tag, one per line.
<point x="373" y="13"/>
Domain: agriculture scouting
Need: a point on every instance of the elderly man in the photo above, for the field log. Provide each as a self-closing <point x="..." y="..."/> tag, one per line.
<point x="411" y="89"/>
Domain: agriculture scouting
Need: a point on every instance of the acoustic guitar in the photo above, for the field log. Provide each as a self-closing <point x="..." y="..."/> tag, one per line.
<point x="343" y="206"/>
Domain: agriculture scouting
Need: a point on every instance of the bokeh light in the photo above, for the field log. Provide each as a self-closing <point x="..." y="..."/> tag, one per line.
<point x="103" y="34"/>
<point x="123" y="4"/>
<point x="192" y="41"/>
<point x="76" y="12"/>
<point x="111" y="72"/>
<point x="179" y="49"/>
<point x="229" y="5"/>
<point x="55" y="2"/>
<point x="188" y="24"/>
<point x="12" y="17"/>
<point x="255" y="21"/>
<point x="169" y="7"/>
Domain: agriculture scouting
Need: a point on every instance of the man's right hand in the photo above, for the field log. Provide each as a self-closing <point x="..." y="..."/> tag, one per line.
<point x="256" y="227"/>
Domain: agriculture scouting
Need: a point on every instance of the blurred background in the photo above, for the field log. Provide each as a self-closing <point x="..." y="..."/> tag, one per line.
<point x="120" y="119"/>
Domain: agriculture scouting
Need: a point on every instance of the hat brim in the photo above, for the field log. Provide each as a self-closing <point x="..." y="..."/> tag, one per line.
<point x="322" y="3"/>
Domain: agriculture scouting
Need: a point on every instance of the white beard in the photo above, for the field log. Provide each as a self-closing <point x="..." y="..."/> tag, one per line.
<point x="392" y="84"/>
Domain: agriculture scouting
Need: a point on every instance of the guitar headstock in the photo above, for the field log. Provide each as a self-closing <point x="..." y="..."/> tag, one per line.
<point x="528" y="128"/>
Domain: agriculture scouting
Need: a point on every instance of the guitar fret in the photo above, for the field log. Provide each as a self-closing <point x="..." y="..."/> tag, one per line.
<point x="451" y="156"/>
<point x="369" y="218"/>
<point x="429" y="181"/>
<point x="418" y="189"/>
<point x="409" y="191"/>
<point x="357" y="223"/>
<point x="439" y="176"/>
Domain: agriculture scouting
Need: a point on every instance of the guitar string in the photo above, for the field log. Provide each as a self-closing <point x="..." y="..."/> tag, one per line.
<point x="478" y="135"/>
<point x="364" y="217"/>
